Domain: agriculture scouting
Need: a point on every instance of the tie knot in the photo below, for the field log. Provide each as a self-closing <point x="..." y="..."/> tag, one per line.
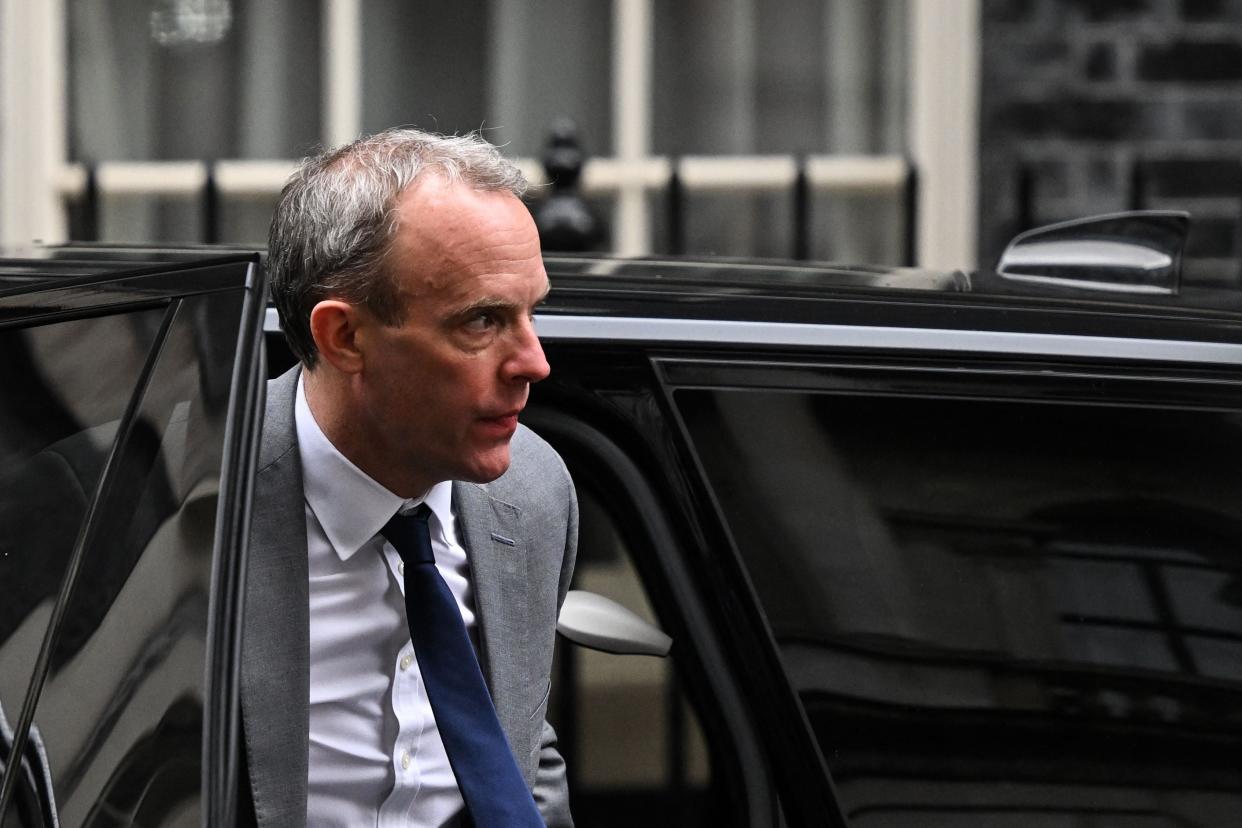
<point x="410" y="535"/>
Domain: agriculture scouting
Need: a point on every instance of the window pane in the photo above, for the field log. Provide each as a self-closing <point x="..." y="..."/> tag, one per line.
<point x="857" y="227"/>
<point x="65" y="386"/>
<point x="178" y="79"/>
<point x="425" y="64"/>
<point x="149" y="218"/>
<point x="121" y="712"/>
<point x="245" y="219"/>
<point x="509" y="67"/>
<point x="992" y="587"/>
<point x="550" y="59"/>
<point x="733" y="224"/>
<point x="747" y="77"/>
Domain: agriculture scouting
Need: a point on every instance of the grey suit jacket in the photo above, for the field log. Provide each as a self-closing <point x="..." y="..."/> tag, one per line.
<point x="520" y="533"/>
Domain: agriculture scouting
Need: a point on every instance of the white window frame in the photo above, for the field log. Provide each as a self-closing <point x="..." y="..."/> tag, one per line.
<point x="33" y="108"/>
<point x="943" y="129"/>
<point x="36" y="178"/>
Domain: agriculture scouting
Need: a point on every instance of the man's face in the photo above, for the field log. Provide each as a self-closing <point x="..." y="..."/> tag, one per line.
<point x="441" y="391"/>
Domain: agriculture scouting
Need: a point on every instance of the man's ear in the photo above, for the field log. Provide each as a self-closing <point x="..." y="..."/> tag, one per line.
<point x="334" y="327"/>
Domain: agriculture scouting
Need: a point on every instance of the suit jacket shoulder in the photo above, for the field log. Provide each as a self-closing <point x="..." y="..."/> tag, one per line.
<point x="536" y="472"/>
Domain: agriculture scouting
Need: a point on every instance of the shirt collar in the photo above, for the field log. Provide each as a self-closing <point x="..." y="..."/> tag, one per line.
<point x="351" y="506"/>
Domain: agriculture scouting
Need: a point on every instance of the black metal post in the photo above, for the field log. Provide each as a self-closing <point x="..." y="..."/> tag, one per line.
<point x="675" y="204"/>
<point x="211" y="207"/>
<point x="565" y="220"/>
<point x="802" y="213"/>
<point x="910" y="208"/>
<point x="88" y="218"/>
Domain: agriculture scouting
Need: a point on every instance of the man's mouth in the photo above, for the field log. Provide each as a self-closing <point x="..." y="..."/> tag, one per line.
<point x="506" y="422"/>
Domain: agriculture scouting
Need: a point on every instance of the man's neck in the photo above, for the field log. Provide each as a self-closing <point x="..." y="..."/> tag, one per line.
<point x="338" y="417"/>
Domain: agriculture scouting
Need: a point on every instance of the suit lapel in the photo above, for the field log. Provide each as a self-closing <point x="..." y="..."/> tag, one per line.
<point x="491" y="532"/>
<point x="276" y="662"/>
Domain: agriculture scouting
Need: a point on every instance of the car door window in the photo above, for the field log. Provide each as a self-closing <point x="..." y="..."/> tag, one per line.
<point x="66" y="387"/>
<point x="118" y="717"/>
<point x="975" y="594"/>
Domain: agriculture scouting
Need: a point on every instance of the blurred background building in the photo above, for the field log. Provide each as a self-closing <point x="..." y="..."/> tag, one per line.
<point x="882" y="131"/>
<point x="176" y="120"/>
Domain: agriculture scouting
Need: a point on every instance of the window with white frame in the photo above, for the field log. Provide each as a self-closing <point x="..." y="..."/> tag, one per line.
<point x="146" y="105"/>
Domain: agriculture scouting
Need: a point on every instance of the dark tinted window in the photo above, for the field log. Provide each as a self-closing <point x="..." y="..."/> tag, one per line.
<point x="120" y="717"/>
<point x="65" y="387"/>
<point x="967" y="593"/>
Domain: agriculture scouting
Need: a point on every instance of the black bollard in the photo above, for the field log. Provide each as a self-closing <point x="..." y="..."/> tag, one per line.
<point x="566" y="222"/>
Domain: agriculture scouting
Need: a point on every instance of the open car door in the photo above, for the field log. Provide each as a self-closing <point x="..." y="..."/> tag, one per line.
<point x="131" y="392"/>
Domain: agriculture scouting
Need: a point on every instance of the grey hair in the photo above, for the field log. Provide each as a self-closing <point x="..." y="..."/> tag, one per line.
<point x="336" y="218"/>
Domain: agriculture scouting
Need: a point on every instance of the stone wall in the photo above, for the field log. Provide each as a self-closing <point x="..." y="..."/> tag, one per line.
<point x="1092" y="106"/>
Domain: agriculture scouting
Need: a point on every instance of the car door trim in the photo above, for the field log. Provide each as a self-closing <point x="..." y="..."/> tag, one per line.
<point x="797" y="334"/>
<point x="793" y="334"/>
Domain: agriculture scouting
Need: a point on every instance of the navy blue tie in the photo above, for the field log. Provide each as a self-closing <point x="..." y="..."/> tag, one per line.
<point x="496" y="795"/>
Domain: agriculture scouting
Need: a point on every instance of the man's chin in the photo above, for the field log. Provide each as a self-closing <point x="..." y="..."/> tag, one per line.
<point x="487" y="469"/>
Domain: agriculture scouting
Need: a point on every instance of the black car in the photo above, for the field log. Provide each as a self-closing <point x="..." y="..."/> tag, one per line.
<point x="934" y="549"/>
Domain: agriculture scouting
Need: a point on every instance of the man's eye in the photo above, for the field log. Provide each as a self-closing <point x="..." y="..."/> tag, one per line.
<point x="481" y="321"/>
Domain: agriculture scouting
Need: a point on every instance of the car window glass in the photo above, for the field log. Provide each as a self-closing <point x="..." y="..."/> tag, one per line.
<point x="66" y="386"/>
<point x="989" y="588"/>
<point x="121" y="713"/>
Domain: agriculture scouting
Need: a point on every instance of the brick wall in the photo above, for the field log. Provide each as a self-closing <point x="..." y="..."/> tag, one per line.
<point x="1092" y="106"/>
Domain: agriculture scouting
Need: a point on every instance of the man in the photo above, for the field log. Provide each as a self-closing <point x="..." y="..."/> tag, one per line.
<point x="406" y="272"/>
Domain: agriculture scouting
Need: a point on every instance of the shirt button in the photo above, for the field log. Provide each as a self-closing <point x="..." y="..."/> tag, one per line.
<point x="405" y="760"/>
<point x="401" y="568"/>
<point x="406" y="661"/>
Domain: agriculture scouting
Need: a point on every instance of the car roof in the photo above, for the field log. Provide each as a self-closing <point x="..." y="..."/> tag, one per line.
<point x="824" y="293"/>
<point x="686" y="278"/>
<point x="757" y="291"/>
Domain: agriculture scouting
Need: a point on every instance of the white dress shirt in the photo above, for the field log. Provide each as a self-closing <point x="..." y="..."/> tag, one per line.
<point x="376" y="757"/>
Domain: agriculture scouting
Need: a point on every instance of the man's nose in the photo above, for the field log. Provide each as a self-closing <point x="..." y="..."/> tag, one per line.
<point x="528" y="362"/>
